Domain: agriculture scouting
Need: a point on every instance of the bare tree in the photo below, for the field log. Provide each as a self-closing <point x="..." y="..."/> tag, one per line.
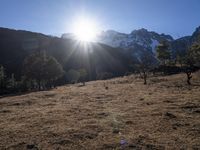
<point x="192" y="61"/>
<point x="145" y="64"/>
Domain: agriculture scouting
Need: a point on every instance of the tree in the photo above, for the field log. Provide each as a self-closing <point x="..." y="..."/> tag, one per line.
<point x="194" y="53"/>
<point x="43" y="68"/>
<point x="2" y="78"/>
<point x="24" y="84"/>
<point x="54" y="70"/>
<point x="180" y="59"/>
<point x="12" y="83"/>
<point x="163" y="53"/>
<point x="83" y="74"/>
<point x="192" y="61"/>
<point x="72" y="76"/>
<point x="145" y="64"/>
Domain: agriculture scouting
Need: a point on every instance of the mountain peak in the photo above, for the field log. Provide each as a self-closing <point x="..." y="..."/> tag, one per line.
<point x="142" y="30"/>
<point x="137" y="39"/>
<point x="197" y="31"/>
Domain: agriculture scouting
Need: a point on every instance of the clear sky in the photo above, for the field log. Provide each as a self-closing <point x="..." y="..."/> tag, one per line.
<point x="174" y="17"/>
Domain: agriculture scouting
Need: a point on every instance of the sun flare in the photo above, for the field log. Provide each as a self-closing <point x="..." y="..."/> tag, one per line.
<point x="85" y="30"/>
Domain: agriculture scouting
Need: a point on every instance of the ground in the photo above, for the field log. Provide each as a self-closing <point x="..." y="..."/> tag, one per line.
<point x="120" y="113"/>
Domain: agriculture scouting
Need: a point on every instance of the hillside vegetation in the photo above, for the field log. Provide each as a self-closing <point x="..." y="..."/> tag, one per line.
<point x="120" y="113"/>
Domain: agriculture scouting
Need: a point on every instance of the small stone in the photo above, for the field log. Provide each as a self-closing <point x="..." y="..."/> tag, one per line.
<point x="123" y="142"/>
<point x="170" y="115"/>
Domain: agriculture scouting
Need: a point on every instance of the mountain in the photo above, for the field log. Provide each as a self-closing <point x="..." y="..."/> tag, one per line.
<point x="137" y="38"/>
<point x="141" y="38"/>
<point x="196" y="35"/>
<point x="181" y="45"/>
<point x="68" y="36"/>
<point x="142" y="41"/>
<point x="135" y="44"/>
<point x="16" y="45"/>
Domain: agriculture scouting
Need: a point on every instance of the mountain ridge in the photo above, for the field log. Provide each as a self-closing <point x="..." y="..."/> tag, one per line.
<point x="15" y="45"/>
<point x="123" y="40"/>
<point x="144" y="40"/>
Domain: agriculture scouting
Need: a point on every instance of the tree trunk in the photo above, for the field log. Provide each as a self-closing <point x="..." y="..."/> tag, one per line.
<point x="141" y="75"/>
<point x="145" y="77"/>
<point x="189" y="77"/>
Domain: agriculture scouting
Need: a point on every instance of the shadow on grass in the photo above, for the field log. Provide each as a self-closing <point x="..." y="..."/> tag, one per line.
<point x="23" y="93"/>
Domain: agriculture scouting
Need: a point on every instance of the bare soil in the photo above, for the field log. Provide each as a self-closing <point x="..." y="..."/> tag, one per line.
<point x="120" y="113"/>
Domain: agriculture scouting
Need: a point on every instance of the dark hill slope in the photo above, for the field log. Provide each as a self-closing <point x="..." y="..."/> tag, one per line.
<point x="16" y="45"/>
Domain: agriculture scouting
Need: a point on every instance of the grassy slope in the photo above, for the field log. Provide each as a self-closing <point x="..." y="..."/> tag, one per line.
<point x="163" y="114"/>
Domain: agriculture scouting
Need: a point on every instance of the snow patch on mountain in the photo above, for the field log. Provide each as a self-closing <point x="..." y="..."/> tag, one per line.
<point x="142" y="37"/>
<point x="154" y="44"/>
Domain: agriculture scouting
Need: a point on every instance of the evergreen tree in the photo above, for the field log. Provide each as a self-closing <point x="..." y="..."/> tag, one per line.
<point x="2" y="78"/>
<point x="12" y="82"/>
<point x="163" y="53"/>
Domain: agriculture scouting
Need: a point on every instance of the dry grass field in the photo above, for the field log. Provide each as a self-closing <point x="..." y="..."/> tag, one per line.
<point x="120" y="113"/>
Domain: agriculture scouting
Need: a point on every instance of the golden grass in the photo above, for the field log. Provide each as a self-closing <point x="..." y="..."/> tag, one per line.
<point x="121" y="113"/>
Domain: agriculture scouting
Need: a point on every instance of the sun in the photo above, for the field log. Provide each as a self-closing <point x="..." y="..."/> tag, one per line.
<point x="85" y="30"/>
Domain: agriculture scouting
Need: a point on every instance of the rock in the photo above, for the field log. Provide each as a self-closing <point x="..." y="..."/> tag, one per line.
<point x="169" y="115"/>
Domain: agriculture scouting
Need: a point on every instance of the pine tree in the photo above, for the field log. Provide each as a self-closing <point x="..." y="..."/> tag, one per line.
<point x="12" y="83"/>
<point x="163" y="53"/>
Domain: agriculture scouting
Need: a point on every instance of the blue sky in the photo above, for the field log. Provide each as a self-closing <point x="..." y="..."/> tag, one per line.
<point x="175" y="17"/>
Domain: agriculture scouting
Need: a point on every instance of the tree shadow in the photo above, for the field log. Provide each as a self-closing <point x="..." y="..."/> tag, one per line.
<point x="24" y="93"/>
<point x="15" y="94"/>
